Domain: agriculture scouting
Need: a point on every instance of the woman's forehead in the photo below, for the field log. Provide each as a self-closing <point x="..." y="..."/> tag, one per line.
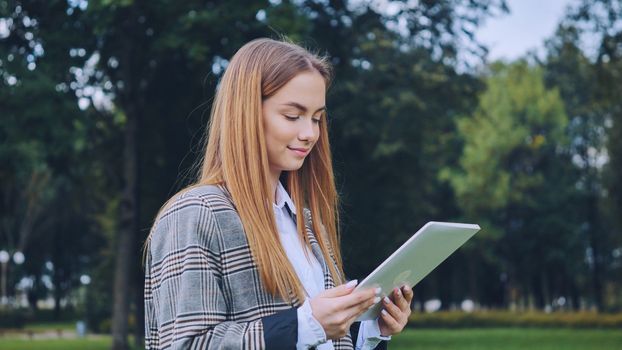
<point x="306" y="90"/>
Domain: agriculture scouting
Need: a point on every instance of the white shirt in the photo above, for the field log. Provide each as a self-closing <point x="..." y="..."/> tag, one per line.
<point x="310" y="331"/>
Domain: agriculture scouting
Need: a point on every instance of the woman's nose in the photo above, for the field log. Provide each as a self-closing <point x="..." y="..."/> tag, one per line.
<point x="307" y="130"/>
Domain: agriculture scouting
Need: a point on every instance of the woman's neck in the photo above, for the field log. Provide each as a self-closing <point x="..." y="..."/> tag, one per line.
<point x="274" y="181"/>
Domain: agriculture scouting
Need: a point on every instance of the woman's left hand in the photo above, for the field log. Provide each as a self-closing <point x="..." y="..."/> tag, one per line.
<point x="395" y="311"/>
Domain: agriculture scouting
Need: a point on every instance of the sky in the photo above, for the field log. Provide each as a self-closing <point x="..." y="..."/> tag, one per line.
<point x="526" y="27"/>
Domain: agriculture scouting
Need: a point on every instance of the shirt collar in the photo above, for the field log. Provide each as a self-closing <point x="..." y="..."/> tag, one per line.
<point x="283" y="198"/>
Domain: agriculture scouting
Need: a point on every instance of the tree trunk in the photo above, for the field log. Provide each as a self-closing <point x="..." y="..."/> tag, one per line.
<point x="125" y="255"/>
<point x="544" y="285"/>
<point x="420" y="295"/>
<point x="597" y="285"/>
<point x="444" y="286"/>
<point x="473" y="290"/>
<point x="58" y="275"/>
<point x="575" y="297"/>
<point x="130" y="99"/>
<point x="139" y="276"/>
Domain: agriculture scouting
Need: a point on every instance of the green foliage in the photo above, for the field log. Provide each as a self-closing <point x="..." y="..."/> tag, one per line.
<point x="12" y="319"/>
<point x="588" y="82"/>
<point x="50" y="180"/>
<point x="518" y="124"/>
<point x="516" y="177"/>
<point x="24" y="318"/>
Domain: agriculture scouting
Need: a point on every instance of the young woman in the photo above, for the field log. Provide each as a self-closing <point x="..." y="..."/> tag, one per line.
<point x="248" y="257"/>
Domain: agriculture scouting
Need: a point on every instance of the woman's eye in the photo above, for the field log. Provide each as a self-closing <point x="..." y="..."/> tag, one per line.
<point x="292" y="118"/>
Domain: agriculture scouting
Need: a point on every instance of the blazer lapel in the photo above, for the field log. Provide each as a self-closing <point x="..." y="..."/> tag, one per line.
<point x="315" y="246"/>
<point x="317" y="251"/>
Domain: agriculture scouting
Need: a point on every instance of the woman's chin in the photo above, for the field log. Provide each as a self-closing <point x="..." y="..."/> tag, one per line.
<point x="294" y="165"/>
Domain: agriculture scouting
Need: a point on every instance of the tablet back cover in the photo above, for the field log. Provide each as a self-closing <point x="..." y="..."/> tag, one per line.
<point x="416" y="258"/>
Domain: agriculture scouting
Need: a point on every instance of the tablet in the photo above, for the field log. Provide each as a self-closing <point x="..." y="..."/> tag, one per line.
<point x="416" y="258"/>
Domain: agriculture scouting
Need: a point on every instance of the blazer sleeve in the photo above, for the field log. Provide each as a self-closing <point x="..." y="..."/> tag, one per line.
<point x="354" y="331"/>
<point x="184" y="303"/>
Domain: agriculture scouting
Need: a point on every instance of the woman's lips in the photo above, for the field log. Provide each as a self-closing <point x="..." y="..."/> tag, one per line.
<point x="299" y="151"/>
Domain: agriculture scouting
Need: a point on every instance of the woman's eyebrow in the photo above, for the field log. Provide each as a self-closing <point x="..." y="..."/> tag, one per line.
<point x="301" y="107"/>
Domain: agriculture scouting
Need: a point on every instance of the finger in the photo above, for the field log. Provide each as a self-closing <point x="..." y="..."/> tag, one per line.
<point x="393" y="309"/>
<point x="408" y="293"/>
<point x="391" y="322"/>
<point x="358" y="298"/>
<point x="359" y="309"/>
<point x="339" y="291"/>
<point x="399" y="300"/>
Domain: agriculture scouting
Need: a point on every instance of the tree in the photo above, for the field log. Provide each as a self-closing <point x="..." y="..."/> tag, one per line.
<point x="49" y="191"/>
<point x="391" y="111"/>
<point x="513" y="145"/>
<point x="588" y="81"/>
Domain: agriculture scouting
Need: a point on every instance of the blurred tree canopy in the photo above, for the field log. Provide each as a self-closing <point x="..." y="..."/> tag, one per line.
<point x="514" y="145"/>
<point x="103" y="105"/>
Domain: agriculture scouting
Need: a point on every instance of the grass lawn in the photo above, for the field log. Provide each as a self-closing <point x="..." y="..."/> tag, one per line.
<point x="56" y="344"/>
<point x="429" y="339"/>
<point x="508" y="339"/>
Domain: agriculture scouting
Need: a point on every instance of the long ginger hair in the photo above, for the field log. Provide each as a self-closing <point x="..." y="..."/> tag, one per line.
<point x="236" y="157"/>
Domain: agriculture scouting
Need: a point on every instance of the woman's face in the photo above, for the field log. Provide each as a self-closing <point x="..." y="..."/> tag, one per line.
<point x="291" y="119"/>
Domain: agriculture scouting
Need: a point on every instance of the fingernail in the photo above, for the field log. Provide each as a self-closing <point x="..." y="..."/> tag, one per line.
<point x="378" y="290"/>
<point x="384" y="312"/>
<point x="352" y="283"/>
<point x="386" y="300"/>
<point x="376" y="300"/>
<point x="398" y="291"/>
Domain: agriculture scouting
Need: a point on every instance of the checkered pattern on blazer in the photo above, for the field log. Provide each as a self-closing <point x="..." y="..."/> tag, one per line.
<point x="202" y="287"/>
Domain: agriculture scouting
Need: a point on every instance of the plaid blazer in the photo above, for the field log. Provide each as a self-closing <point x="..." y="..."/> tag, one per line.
<point x="202" y="287"/>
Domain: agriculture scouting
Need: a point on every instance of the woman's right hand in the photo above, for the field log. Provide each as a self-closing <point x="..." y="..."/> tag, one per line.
<point x="337" y="308"/>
